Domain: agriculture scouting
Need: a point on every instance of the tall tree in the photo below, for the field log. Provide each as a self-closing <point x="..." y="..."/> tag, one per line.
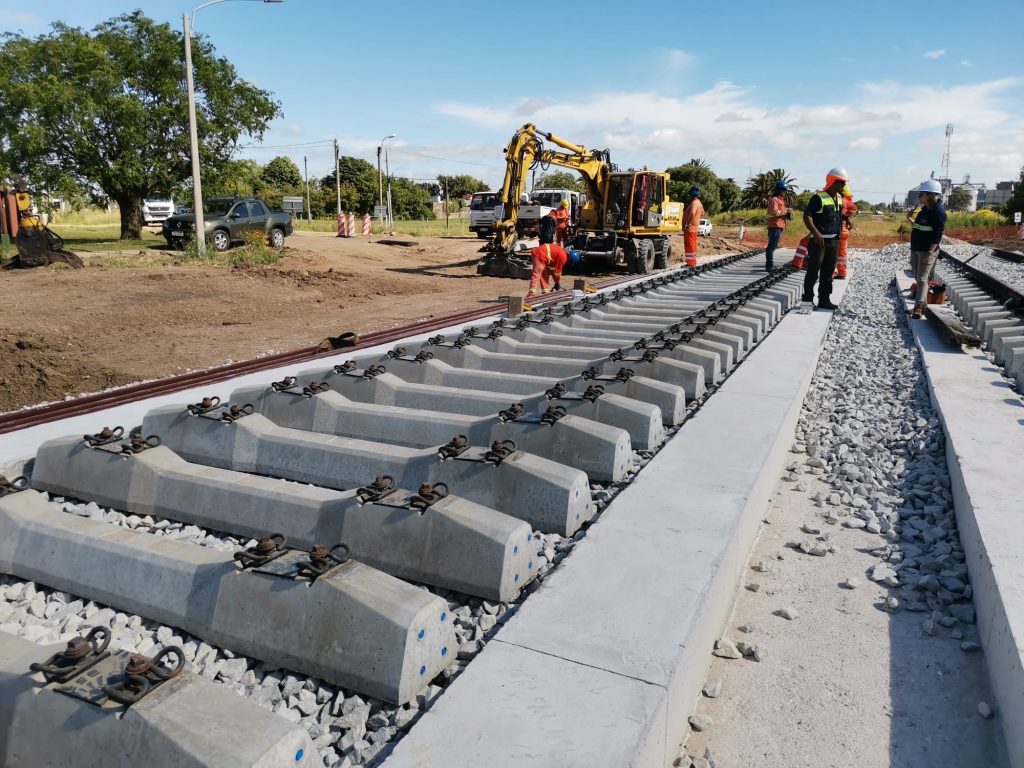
<point x="695" y="174"/>
<point x="108" y="107"/>
<point x="730" y="194"/>
<point x="759" y="188"/>
<point x="458" y="186"/>
<point x="281" y="173"/>
<point x="1016" y="201"/>
<point x="959" y="199"/>
<point x="560" y="180"/>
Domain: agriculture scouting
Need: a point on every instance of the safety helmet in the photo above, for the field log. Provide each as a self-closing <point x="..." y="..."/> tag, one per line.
<point x="834" y="175"/>
<point x="847" y="192"/>
<point x="565" y="203"/>
<point x="930" y="185"/>
<point x="695" y="191"/>
<point x="574" y="256"/>
<point x="780" y="186"/>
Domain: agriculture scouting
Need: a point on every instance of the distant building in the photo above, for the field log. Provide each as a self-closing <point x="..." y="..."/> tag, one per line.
<point x="993" y="198"/>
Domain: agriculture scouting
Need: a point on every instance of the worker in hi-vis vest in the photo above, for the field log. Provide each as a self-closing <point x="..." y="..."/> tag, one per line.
<point x="692" y="214"/>
<point x="823" y="219"/>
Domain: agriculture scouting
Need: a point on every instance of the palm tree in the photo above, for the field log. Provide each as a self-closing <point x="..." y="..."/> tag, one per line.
<point x="759" y="188"/>
<point x="699" y="163"/>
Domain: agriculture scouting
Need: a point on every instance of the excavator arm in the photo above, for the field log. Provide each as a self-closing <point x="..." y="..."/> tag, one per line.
<point x="525" y="151"/>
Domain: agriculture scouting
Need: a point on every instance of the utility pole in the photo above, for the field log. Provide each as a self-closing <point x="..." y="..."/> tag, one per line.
<point x="197" y="187"/>
<point x="380" y="185"/>
<point x="337" y="177"/>
<point x="305" y="168"/>
<point x="387" y="172"/>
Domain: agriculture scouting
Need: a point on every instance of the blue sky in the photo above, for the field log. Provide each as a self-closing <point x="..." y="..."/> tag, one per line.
<point x="747" y="86"/>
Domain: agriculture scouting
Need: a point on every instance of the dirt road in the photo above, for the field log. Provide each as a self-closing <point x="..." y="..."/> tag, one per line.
<point x="65" y="332"/>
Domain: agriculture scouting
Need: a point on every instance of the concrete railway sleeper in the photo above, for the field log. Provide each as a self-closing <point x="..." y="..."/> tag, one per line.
<point x="432" y="536"/>
<point x="994" y="310"/>
<point x="352" y="626"/>
<point x="549" y="496"/>
<point x="182" y="721"/>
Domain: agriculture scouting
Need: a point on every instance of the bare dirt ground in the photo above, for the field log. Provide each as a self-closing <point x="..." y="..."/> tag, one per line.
<point x="67" y="332"/>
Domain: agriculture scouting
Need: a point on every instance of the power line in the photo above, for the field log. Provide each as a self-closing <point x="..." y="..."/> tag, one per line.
<point x="257" y="145"/>
<point x="445" y="159"/>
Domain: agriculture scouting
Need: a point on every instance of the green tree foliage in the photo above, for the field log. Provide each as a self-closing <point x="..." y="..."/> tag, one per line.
<point x="759" y="188"/>
<point x="560" y="180"/>
<point x="1016" y="201"/>
<point x="235" y="177"/>
<point x="730" y="194"/>
<point x="959" y="199"/>
<point x="107" y="107"/>
<point x="695" y="173"/>
<point x="801" y="200"/>
<point x="359" y="192"/>
<point x="864" y="205"/>
<point x="281" y="173"/>
<point x="459" y="186"/>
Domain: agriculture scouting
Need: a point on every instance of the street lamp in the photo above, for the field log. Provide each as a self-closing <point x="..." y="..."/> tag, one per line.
<point x="188" y="21"/>
<point x="380" y="182"/>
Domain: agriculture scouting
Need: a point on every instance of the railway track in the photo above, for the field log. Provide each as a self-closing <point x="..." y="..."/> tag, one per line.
<point x="365" y="524"/>
<point x="992" y="310"/>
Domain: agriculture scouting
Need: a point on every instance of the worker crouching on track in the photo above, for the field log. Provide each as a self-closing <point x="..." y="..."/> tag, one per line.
<point x="823" y="219"/>
<point x="778" y="215"/>
<point x="561" y="214"/>
<point x="692" y="214"/>
<point x="849" y="208"/>
<point x="925" y="237"/>
<point x="548" y="262"/>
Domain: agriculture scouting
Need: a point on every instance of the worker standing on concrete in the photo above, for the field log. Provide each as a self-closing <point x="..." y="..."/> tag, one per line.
<point x="849" y="208"/>
<point x="925" y="238"/>
<point x="548" y="262"/>
<point x="778" y="215"/>
<point x="823" y="219"/>
<point x="561" y="214"/>
<point x="692" y="214"/>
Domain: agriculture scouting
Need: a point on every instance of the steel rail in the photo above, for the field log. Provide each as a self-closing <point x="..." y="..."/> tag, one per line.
<point x="13" y="421"/>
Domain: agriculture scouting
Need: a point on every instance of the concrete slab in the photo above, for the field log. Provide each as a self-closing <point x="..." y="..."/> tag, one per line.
<point x="685" y="525"/>
<point x="454" y="543"/>
<point x="355" y="626"/>
<point x="984" y="426"/>
<point x="185" y="722"/>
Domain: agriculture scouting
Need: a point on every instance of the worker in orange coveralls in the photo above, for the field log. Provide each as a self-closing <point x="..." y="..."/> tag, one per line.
<point x="692" y="214"/>
<point x="548" y="261"/>
<point x="561" y="214"/>
<point x="848" y="210"/>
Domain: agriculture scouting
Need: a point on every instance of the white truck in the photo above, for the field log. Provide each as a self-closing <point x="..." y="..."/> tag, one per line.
<point x="481" y="213"/>
<point x="156" y="209"/>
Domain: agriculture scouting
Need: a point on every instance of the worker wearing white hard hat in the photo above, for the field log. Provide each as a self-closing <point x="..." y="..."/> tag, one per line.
<point x="925" y="237"/>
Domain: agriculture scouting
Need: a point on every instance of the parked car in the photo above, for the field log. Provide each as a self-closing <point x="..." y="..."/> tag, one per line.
<point x="227" y="219"/>
<point x="705" y="227"/>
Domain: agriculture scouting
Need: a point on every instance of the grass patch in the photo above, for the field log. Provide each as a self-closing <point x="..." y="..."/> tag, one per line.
<point x="88" y="238"/>
<point x="457" y="227"/>
<point x="86" y="216"/>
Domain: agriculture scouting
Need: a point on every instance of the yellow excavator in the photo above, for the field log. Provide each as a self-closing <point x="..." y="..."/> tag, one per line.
<point x="625" y="221"/>
<point x="37" y="244"/>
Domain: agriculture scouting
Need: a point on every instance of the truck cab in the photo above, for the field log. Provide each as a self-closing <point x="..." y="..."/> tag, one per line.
<point x="481" y="213"/>
<point x="542" y="202"/>
<point x="156" y="209"/>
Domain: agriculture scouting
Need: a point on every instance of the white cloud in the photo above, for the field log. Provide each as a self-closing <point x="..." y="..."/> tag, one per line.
<point x="739" y="128"/>
<point x="938" y="53"/>
<point x="866" y="142"/>
<point x="294" y="129"/>
<point x="966" y="63"/>
<point x="676" y="60"/>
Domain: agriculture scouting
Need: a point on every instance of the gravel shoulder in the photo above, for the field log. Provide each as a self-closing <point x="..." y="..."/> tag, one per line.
<point x="874" y="668"/>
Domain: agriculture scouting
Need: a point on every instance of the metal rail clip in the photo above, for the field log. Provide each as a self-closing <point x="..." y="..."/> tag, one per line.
<point x="560" y="392"/>
<point x="7" y="487"/>
<point x="399" y="353"/>
<point x="204" y="406"/>
<point x="105" y="436"/>
<point x="460" y="449"/>
<point x="593" y="374"/>
<point x="80" y="654"/>
<point x="290" y="385"/>
<point x="143" y="675"/>
<point x="460" y="342"/>
<point x="137" y="443"/>
<point x="269" y="547"/>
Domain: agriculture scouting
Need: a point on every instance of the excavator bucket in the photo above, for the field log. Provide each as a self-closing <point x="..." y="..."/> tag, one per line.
<point x="40" y="247"/>
<point x="503" y="264"/>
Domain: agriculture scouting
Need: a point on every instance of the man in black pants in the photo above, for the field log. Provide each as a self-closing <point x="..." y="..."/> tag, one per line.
<point x="823" y="219"/>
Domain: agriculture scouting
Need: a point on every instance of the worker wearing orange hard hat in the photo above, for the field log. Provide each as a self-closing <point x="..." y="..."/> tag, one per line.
<point x="849" y="208"/>
<point x="561" y="214"/>
<point x="823" y="219"/>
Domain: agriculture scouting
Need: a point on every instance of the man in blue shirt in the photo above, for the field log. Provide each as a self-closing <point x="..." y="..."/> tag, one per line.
<point x="925" y="237"/>
<point x="823" y="219"/>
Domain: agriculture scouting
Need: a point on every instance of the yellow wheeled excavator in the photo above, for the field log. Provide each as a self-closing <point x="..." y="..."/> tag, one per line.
<point x="625" y="221"/>
<point x="37" y="244"/>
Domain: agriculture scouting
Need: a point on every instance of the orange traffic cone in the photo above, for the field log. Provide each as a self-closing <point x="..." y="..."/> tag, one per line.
<point x="800" y="259"/>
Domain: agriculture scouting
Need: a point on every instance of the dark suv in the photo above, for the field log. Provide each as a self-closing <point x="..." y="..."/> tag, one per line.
<point x="226" y="221"/>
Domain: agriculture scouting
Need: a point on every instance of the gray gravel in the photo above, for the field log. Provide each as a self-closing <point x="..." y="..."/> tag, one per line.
<point x="1010" y="273"/>
<point x="868" y="429"/>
